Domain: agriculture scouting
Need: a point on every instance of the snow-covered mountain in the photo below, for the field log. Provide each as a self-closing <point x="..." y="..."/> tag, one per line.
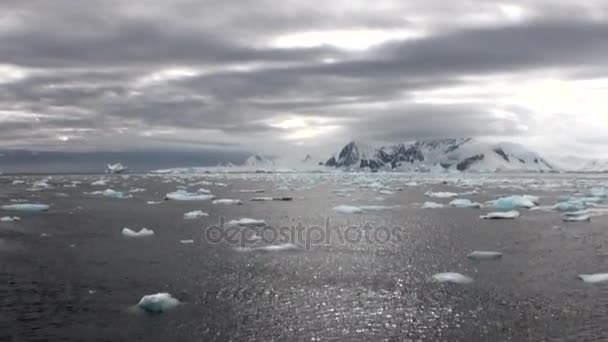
<point x="578" y="164"/>
<point x="462" y="154"/>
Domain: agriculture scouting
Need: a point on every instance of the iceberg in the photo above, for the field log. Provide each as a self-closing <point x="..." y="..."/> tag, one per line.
<point x="254" y="191"/>
<point x="464" y="203"/>
<point x="246" y="222"/>
<point x="513" y="214"/>
<point x="441" y="194"/>
<point x="580" y="218"/>
<point x="452" y="277"/>
<point x="157" y="303"/>
<point x="154" y="202"/>
<point x="144" y="232"/>
<point x="192" y="215"/>
<point x="432" y="205"/>
<point x="261" y="199"/>
<point x="347" y="209"/>
<point x="9" y="218"/>
<point x="594" y="278"/>
<point x="100" y="182"/>
<point x="27" y="207"/>
<point x="228" y="201"/>
<point x="115" y="168"/>
<point x="484" y="255"/>
<point x="514" y="202"/>
<point x="182" y="195"/>
<point x="111" y="194"/>
<point x="185" y="242"/>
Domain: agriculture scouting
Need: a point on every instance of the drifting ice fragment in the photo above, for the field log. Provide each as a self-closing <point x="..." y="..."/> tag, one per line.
<point x="580" y="218"/>
<point x="228" y="201"/>
<point x="247" y="222"/>
<point x="572" y="204"/>
<point x="347" y="209"/>
<point x="594" y="278"/>
<point x="252" y="191"/>
<point x="441" y="194"/>
<point x="376" y="207"/>
<point x="192" y="215"/>
<point x="28" y="207"/>
<point x="182" y="195"/>
<point x="432" y="205"/>
<point x="142" y="233"/>
<point x="464" y="203"/>
<point x="111" y="194"/>
<point x="513" y="214"/>
<point x="270" y="248"/>
<point x="484" y="255"/>
<point x="116" y="168"/>
<point x="135" y="190"/>
<point x="260" y="199"/>
<point x="514" y="202"/>
<point x="452" y="277"/>
<point x="185" y="242"/>
<point x="154" y="202"/>
<point x="158" y="302"/>
<point x="9" y="218"/>
<point x="100" y="182"/>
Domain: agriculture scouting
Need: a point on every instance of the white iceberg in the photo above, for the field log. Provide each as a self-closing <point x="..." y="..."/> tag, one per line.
<point x="432" y="205"/>
<point x="228" y="201"/>
<point x="484" y="255"/>
<point x="347" y="209"/>
<point x="144" y="232"/>
<point x="192" y="215"/>
<point x="246" y="222"/>
<point x="115" y="168"/>
<point x="513" y="214"/>
<point x="270" y="248"/>
<point x="594" y="278"/>
<point x="514" y="202"/>
<point x="27" y="207"/>
<point x="137" y="190"/>
<point x="9" y="218"/>
<point x="183" y="195"/>
<point x="185" y="242"/>
<point x="154" y="202"/>
<point x="464" y="203"/>
<point x="110" y="193"/>
<point x="452" y="277"/>
<point x="158" y="302"/>
<point x="580" y="218"/>
<point x="441" y="194"/>
<point x="100" y="182"/>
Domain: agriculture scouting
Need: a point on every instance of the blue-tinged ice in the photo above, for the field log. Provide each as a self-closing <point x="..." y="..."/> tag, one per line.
<point x="27" y="207"/>
<point x="514" y="202"/>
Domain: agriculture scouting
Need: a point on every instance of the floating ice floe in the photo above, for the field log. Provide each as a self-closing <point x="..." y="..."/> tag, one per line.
<point x="464" y="203"/>
<point x="484" y="255"/>
<point x="506" y="215"/>
<point x="100" y="182"/>
<point x="270" y="248"/>
<point x="575" y="204"/>
<point x="154" y="202"/>
<point x="452" y="277"/>
<point x="376" y="207"/>
<point x="183" y="195"/>
<point x="40" y="185"/>
<point x="594" y="278"/>
<point x="9" y="218"/>
<point x="441" y="194"/>
<point x="386" y="192"/>
<point x="255" y="191"/>
<point x="110" y="193"/>
<point x="432" y="205"/>
<point x="579" y="218"/>
<point x="18" y="182"/>
<point x="157" y="303"/>
<point x="192" y="215"/>
<point x="185" y="242"/>
<point x="229" y="201"/>
<point x="261" y="199"/>
<point x="144" y="232"/>
<point x="246" y="222"/>
<point x="136" y="190"/>
<point x="347" y="209"/>
<point x="115" y="168"/>
<point x="514" y="202"/>
<point x="28" y="207"/>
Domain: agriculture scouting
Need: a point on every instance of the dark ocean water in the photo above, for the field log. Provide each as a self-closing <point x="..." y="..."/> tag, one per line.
<point x="79" y="280"/>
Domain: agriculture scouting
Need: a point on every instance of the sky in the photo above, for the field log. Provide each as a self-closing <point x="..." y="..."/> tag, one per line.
<point x="279" y="76"/>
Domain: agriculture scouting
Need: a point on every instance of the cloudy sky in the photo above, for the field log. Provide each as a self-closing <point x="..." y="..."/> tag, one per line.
<point x="274" y="75"/>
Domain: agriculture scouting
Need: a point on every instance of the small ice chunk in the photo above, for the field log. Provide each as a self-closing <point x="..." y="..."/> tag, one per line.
<point x="347" y="209"/>
<point x="185" y="242"/>
<point x="100" y="182"/>
<point x="28" y="207"/>
<point x="452" y="277"/>
<point x="375" y="207"/>
<point x="228" y="201"/>
<point x="432" y="205"/>
<point x="110" y="193"/>
<point x="386" y="192"/>
<point x="580" y="218"/>
<point x="154" y="202"/>
<point x="192" y="215"/>
<point x="144" y="232"/>
<point x="9" y="218"/>
<point x="441" y="194"/>
<point x="513" y="214"/>
<point x="182" y="195"/>
<point x="136" y="190"/>
<point x="594" y="278"/>
<point x="18" y="182"/>
<point x="514" y="202"/>
<point x="246" y="222"/>
<point x="115" y="168"/>
<point x="261" y="199"/>
<point x="464" y="203"/>
<point x="156" y="303"/>
<point x="270" y="248"/>
<point x="484" y="255"/>
<point x="251" y="190"/>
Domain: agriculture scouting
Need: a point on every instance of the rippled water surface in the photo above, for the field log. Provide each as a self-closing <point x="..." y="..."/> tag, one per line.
<point x="69" y="275"/>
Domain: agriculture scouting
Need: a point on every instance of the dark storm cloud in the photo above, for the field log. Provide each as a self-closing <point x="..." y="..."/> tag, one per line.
<point x="85" y="61"/>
